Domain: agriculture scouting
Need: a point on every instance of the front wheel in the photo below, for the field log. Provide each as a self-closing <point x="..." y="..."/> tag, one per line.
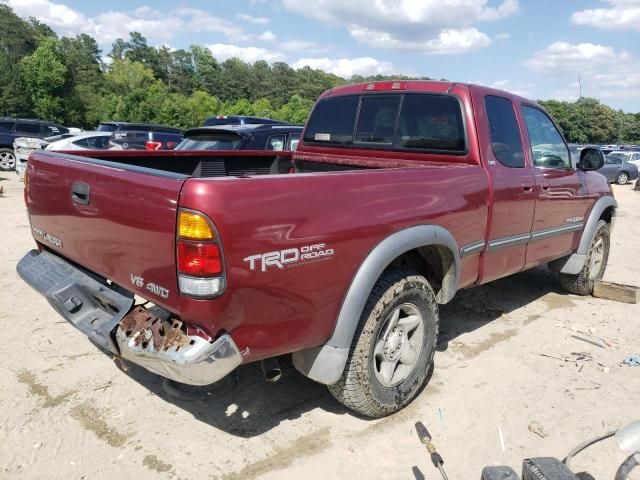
<point x="594" y="266"/>
<point x="7" y="159"/>
<point x="393" y="347"/>
<point x="622" y="178"/>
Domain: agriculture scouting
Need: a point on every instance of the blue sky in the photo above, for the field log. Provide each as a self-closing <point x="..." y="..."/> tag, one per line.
<point x="537" y="48"/>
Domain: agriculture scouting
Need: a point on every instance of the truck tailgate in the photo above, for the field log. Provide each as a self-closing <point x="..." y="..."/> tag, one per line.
<point x="114" y="220"/>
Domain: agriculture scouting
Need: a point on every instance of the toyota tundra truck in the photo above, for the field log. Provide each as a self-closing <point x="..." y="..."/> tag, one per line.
<point x="401" y="193"/>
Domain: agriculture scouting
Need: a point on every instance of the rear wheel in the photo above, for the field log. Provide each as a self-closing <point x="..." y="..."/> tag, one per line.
<point x="393" y="347"/>
<point x="7" y="159"/>
<point x="594" y="266"/>
<point x="622" y="178"/>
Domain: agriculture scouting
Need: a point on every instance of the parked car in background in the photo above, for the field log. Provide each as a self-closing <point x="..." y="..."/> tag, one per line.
<point x="617" y="170"/>
<point x="242" y="137"/>
<point x="12" y="128"/>
<point x="143" y="140"/>
<point x="23" y="146"/>
<point x="116" y="126"/>
<point x="240" y="120"/>
<point x="84" y="141"/>
<point x="627" y="156"/>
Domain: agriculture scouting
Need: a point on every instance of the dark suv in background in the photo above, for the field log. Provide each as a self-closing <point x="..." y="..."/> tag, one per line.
<point x="141" y="136"/>
<point x="242" y="137"/>
<point x="12" y="128"/>
<point x="240" y="120"/>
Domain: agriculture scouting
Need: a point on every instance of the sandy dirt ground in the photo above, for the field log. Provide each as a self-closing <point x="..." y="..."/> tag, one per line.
<point x="68" y="411"/>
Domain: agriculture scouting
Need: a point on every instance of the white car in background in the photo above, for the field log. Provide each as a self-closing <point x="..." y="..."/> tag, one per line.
<point x="23" y="146"/>
<point x="83" y="141"/>
<point x="627" y="156"/>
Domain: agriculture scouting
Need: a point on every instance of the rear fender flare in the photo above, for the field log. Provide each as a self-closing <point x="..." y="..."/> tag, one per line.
<point x="326" y="363"/>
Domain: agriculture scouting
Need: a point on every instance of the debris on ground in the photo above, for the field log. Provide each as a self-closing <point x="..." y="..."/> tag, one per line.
<point x="632" y="360"/>
<point x="535" y="427"/>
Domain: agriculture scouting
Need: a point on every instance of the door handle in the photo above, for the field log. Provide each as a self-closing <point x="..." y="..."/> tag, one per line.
<point x="527" y="187"/>
<point x="545" y="187"/>
<point x="80" y="193"/>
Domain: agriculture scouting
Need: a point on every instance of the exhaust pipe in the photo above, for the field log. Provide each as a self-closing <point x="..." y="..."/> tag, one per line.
<point x="271" y="369"/>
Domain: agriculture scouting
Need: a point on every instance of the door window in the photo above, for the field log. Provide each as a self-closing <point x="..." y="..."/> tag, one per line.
<point x="276" y="143"/>
<point x="505" y="135"/>
<point x="547" y="146"/>
<point x="294" y="138"/>
<point x="612" y="160"/>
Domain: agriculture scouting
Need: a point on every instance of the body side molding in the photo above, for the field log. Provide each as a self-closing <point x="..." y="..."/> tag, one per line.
<point x="325" y="363"/>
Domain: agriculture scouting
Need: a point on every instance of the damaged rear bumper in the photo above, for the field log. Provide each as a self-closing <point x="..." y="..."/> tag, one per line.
<point x="146" y="337"/>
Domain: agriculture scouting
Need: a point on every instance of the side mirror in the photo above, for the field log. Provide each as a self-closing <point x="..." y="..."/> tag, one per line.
<point x="591" y="159"/>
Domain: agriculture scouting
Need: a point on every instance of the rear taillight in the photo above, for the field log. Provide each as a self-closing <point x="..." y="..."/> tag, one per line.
<point x="151" y="145"/>
<point x="199" y="259"/>
<point x="199" y="256"/>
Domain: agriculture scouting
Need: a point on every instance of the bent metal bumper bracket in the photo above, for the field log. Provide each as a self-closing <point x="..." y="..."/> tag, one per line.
<point x="102" y="311"/>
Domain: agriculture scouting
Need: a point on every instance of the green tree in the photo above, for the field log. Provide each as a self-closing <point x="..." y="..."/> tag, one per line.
<point x="44" y="74"/>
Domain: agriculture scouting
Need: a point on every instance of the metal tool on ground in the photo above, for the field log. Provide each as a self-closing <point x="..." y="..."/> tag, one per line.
<point x="425" y="438"/>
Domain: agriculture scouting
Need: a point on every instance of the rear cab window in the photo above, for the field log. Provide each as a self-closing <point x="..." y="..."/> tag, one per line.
<point x="424" y="122"/>
<point x="505" y="134"/>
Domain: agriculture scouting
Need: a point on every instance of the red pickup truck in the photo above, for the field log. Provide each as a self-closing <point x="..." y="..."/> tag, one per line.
<point x="400" y="194"/>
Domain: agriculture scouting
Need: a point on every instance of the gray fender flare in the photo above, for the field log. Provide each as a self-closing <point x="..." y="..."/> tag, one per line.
<point x="572" y="264"/>
<point x="326" y="363"/>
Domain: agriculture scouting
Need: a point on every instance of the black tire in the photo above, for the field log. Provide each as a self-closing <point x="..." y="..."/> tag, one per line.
<point x="622" y="178"/>
<point x="7" y="159"/>
<point x="360" y="389"/>
<point x="583" y="282"/>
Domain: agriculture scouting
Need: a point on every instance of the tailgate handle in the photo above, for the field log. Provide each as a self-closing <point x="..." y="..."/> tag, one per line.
<point x="80" y="193"/>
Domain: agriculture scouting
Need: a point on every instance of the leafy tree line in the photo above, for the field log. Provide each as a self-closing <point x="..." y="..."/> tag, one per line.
<point x="68" y="80"/>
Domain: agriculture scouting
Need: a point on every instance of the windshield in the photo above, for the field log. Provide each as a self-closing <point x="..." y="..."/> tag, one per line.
<point x="431" y="122"/>
<point x="211" y="141"/>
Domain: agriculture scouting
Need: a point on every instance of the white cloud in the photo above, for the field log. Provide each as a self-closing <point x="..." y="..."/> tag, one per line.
<point x="430" y="26"/>
<point x="251" y="19"/>
<point x="347" y="67"/>
<point x="620" y="15"/>
<point x="223" y="51"/>
<point x="267" y="36"/>
<point x="563" y="56"/>
<point x="502" y="36"/>
<point x="605" y="72"/>
<point x="302" y="46"/>
<point x="157" y="26"/>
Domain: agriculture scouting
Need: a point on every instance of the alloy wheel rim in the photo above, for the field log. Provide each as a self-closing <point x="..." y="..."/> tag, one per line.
<point x="623" y="178"/>
<point x="7" y="160"/>
<point x="398" y="345"/>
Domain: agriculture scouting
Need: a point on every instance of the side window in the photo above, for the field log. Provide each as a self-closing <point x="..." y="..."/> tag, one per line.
<point x="294" y="138"/>
<point x="505" y="135"/>
<point x="28" y="128"/>
<point x="50" y="130"/>
<point x="276" y="143"/>
<point x="612" y="160"/>
<point x="83" y="142"/>
<point x="8" y="124"/>
<point x="547" y="146"/>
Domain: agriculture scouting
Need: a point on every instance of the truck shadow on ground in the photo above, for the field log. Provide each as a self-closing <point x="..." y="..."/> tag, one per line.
<point x="247" y="406"/>
<point x="473" y="308"/>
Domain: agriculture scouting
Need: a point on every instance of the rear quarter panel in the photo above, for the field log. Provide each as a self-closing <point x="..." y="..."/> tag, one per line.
<point x="284" y="310"/>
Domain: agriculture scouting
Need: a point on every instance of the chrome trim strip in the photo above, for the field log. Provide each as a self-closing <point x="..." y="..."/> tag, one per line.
<point x="505" y="242"/>
<point x="550" y="232"/>
<point x="511" y="241"/>
<point x="472" y="248"/>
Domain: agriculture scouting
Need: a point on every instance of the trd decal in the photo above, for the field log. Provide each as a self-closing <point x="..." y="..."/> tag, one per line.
<point x="289" y="257"/>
